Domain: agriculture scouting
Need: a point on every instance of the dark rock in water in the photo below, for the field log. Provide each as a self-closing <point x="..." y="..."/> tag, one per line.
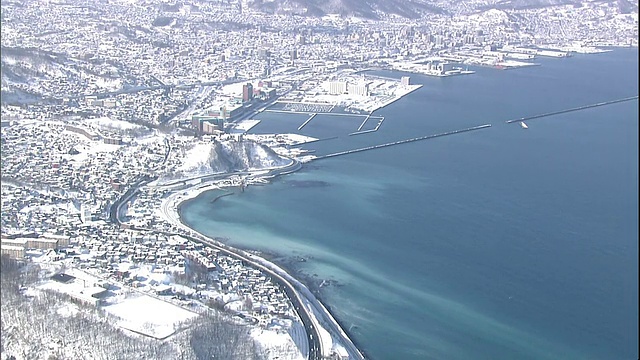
<point x="220" y="196"/>
<point x="328" y="282"/>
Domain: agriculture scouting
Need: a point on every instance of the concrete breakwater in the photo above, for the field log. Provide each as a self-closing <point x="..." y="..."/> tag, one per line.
<point x="584" y="107"/>
<point x="479" y="127"/>
<point x="220" y="196"/>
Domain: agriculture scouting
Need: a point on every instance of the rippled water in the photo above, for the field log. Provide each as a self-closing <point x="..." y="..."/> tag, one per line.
<point x="498" y="244"/>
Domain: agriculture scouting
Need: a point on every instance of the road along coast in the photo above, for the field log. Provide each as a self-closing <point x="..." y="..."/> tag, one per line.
<point x="322" y="328"/>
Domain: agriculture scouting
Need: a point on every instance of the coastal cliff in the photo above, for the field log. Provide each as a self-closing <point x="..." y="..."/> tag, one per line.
<point x="228" y="156"/>
<point x="222" y="156"/>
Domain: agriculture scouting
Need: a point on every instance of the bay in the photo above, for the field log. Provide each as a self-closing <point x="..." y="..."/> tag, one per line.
<point x="502" y="243"/>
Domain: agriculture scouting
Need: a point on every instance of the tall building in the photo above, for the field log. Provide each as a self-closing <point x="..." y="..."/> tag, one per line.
<point x="336" y="87"/>
<point x="293" y="54"/>
<point x="360" y="89"/>
<point x="406" y="81"/>
<point x="247" y="92"/>
<point x="86" y="214"/>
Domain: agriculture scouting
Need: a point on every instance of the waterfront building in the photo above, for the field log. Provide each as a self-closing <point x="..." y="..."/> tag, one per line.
<point x="360" y="89"/>
<point x="209" y="124"/>
<point x="336" y="87"/>
<point x="405" y="80"/>
<point x="247" y="92"/>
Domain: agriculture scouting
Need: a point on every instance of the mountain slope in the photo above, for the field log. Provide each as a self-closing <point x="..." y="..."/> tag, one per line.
<point x="230" y="156"/>
<point x="362" y="8"/>
<point x="227" y="156"/>
<point x="375" y="9"/>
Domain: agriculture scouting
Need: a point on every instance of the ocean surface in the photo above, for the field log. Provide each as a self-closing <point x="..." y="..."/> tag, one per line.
<point x="502" y="243"/>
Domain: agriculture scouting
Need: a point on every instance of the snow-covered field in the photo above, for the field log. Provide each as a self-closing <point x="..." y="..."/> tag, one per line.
<point x="67" y="207"/>
<point x="109" y="123"/>
<point x="87" y="148"/>
<point x="149" y="316"/>
<point x="233" y="89"/>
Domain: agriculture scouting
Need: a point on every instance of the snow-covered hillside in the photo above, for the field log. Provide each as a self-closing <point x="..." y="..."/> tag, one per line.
<point x="244" y="155"/>
<point x="32" y="71"/>
<point x="229" y="156"/>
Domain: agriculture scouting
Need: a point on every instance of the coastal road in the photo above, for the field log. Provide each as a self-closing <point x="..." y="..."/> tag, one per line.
<point x="311" y="329"/>
<point x="116" y="207"/>
<point x="298" y="301"/>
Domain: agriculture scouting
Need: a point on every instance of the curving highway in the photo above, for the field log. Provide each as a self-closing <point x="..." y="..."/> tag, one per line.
<point x="298" y="294"/>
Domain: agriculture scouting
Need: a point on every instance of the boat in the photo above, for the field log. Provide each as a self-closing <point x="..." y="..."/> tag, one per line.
<point x="524" y="126"/>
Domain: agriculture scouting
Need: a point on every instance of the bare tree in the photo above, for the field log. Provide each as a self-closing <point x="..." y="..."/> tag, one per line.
<point x="213" y="337"/>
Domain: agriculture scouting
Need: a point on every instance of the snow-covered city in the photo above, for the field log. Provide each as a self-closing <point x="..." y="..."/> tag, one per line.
<point x="115" y="113"/>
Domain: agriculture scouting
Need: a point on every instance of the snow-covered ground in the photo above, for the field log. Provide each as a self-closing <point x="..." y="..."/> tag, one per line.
<point x="197" y="157"/>
<point x="67" y="207"/>
<point x="88" y="147"/>
<point x="149" y="316"/>
<point x="277" y="345"/>
<point x="279" y="139"/>
<point x="134" y="311"/>
<point x="233" y="89"/>
<point x="382" y="91"/>
<point x="243" y="126"/>
<point x="68" y="309"/>
<point x="109" y="123"/>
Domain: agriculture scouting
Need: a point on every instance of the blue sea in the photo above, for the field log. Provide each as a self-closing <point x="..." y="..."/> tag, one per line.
<point x="502" y="243"/>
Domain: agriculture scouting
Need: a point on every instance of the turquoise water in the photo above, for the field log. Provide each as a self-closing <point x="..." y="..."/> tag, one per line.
<point x="498" y="244"/>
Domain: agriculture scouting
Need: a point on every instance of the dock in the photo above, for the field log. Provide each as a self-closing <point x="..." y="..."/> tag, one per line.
<point x="373" y="147"/>
<point x="306" y="122"/>
<point x="584" y="107"/>
<point x="365" y="120"/>
<point x="359" y="131"/>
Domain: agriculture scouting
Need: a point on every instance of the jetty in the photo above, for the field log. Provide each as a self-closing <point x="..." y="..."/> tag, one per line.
<point x="359" y="131"/>
<point x="220" y="196"/>
<point x="584" y="107"/>
<point x="306" y="122"/>
<point x="364" y="122"/>
<point x="373" y="147"/>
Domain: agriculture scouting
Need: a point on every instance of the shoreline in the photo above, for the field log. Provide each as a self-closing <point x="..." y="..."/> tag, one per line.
<point x="301" y="284"/>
